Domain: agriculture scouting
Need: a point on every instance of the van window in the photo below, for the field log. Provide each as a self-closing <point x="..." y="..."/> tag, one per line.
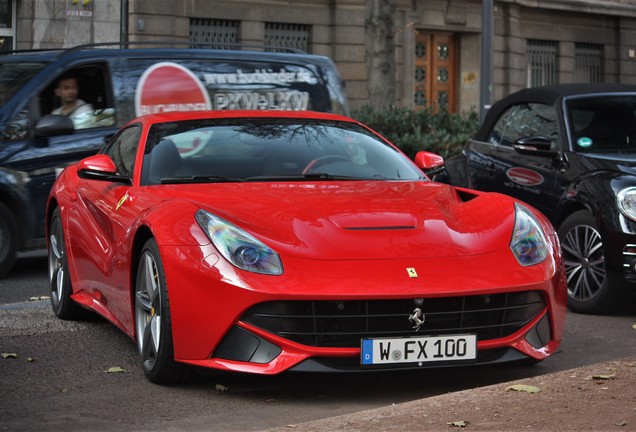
<point x="17" y="128"/>
<point x="201" y="84"/>
<point x="95" y="108"/>
<point x="13" y="76"/>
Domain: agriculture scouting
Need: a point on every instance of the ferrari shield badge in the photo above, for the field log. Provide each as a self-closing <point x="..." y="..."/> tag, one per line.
<point x="411" y="271"/>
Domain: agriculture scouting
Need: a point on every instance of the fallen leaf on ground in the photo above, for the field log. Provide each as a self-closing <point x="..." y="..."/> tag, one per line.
<point x="115" y="369"/>
<point x="31" y="359"/>
<point x="604" y="377"/>
<point x="42" y="297"/>
<point x="461" y="423"/>
<point x="622" y="423"/>
<point x="524" y="388"/>
<point x="221" y="388"/>
<point x="9" y="355"/>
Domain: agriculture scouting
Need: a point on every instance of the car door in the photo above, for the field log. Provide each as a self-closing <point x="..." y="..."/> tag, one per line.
<point x="99" y="229"/>
<point x="497" y="166"/>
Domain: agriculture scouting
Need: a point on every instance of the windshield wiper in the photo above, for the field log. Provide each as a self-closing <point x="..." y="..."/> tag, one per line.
<point x="301" y="177"/>
<point x="200" y="179"/>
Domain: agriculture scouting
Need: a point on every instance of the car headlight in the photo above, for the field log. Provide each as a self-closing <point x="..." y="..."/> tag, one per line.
<point x="239" y="247"/>
<point x="528" y="242"/>
<point x="626" y="200"/>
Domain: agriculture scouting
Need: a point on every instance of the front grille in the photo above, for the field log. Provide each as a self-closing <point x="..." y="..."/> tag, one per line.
<point x="629" y="258"/>
<point x="344" y="323"/>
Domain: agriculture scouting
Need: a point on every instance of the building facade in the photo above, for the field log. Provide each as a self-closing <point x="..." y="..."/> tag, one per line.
<point x="437" y="42"/>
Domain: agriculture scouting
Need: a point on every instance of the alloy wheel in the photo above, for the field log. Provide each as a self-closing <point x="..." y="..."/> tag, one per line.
<point x="148" y="310"/>
<point x="57" y="273"/>
<point x="584" y="262"/>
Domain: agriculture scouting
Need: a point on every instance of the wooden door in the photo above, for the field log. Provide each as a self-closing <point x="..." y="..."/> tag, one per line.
<point x="435" y="71"/>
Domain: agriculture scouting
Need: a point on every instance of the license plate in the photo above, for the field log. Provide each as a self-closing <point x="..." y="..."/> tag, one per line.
<point x="418" y="349"/>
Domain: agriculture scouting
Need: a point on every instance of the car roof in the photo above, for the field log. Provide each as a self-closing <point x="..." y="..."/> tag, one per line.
<point x="232" y="114"/>
<point x="548" y="95"/>
<point x="161" y="48"/>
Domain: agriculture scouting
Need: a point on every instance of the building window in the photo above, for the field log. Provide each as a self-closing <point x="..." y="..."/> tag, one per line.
<point x="587" y="63"/>
<point x="218" y="34"/>
<point x="7" y="28"/>
<point x="542" y="56"/>
<point x="280" y="36"/>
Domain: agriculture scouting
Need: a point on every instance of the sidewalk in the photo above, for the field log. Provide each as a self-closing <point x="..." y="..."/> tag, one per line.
<point x="599" y="397"/>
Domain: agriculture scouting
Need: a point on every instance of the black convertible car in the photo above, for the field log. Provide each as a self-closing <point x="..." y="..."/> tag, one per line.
<point x="570" y="151"/>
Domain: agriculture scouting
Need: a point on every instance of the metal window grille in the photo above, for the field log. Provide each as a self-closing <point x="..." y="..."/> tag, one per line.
<point x="219" y="34"/>
<point x="541" y="63"/>
<point x="587" y="63"/>
<point x="282" y="35"/>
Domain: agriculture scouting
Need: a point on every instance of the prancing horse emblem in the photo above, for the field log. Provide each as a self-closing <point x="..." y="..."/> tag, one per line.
<point x="417" y="318"/>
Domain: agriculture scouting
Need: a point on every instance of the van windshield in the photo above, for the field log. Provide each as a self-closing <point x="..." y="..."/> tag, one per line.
<point x="13" y="76"/>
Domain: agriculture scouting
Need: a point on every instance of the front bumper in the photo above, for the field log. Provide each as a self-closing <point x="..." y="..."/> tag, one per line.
<point x="219" y="322"/>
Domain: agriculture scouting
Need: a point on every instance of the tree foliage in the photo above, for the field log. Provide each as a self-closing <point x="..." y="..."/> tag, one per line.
<point x="434" y="130"/>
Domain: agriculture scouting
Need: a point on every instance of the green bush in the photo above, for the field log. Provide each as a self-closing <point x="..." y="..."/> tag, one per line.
<point x="439" y="131"/>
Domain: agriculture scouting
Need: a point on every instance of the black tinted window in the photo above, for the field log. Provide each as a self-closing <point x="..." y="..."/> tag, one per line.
<point x="123" y="150"/>
<point x="603" y="124"/>
<point x="524" y="121"/>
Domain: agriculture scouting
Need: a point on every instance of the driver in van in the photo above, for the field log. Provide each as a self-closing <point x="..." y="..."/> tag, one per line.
<point x="67" y="90"/>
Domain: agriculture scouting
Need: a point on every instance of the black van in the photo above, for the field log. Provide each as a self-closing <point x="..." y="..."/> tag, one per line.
<point x="118" y="84"/>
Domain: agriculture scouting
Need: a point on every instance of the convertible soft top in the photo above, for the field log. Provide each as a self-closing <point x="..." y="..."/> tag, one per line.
<point x="548" y="95"/>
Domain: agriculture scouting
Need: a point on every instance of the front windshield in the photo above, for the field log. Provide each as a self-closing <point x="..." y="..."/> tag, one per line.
<point x="269" y="149"/>
<point x="603" y="124"/>
<point x="13" y="76"/>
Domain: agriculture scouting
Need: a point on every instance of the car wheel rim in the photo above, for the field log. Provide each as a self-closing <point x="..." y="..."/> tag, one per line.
<point x="148" y="311"/>
<point x="56" y="267"/>
<point x="584" y="262"/>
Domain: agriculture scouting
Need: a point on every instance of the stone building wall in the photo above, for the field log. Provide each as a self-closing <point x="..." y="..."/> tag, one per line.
<point x="338" y="31"/>
<point x="43" y="24"/>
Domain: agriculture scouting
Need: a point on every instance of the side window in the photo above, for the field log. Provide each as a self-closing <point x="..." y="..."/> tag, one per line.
<point x="17" y="128"/>
<point x="83" y="94"/>
<point x="523" y="121"/>
<point x="123" y="149"/>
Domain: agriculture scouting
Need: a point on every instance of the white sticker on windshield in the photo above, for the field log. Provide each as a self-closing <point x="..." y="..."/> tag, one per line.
<point x="584" y="142"/>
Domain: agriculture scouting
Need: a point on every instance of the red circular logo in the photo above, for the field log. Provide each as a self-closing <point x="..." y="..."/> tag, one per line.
<point x="166" y="87"/>
<point x="524" y="176"/>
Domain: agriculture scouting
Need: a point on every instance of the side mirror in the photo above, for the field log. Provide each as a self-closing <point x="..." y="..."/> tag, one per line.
<point x="534" y="146"/>
<point x="53" y="125"/>
<point x="428" y="161"/>
<point x="100" y="167"/>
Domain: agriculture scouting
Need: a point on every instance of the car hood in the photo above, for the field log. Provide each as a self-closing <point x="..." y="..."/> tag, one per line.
<point x="359" y="220"/>
<point x="625" y="163"/>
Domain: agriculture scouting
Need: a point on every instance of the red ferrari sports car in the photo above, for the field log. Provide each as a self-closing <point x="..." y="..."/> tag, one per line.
<point x="266" y="242"/>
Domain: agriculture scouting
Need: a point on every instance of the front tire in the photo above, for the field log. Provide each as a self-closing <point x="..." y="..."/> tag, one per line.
<point x="59" y="281"/>
<point x="152" y="320"/>
<point x="585" y="266"/>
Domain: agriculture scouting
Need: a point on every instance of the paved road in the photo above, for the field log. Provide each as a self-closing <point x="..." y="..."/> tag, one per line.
<point x="58" y="380"/>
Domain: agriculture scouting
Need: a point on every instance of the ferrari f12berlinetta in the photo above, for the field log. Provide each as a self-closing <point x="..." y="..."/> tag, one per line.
<point x="266" y="242"/>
